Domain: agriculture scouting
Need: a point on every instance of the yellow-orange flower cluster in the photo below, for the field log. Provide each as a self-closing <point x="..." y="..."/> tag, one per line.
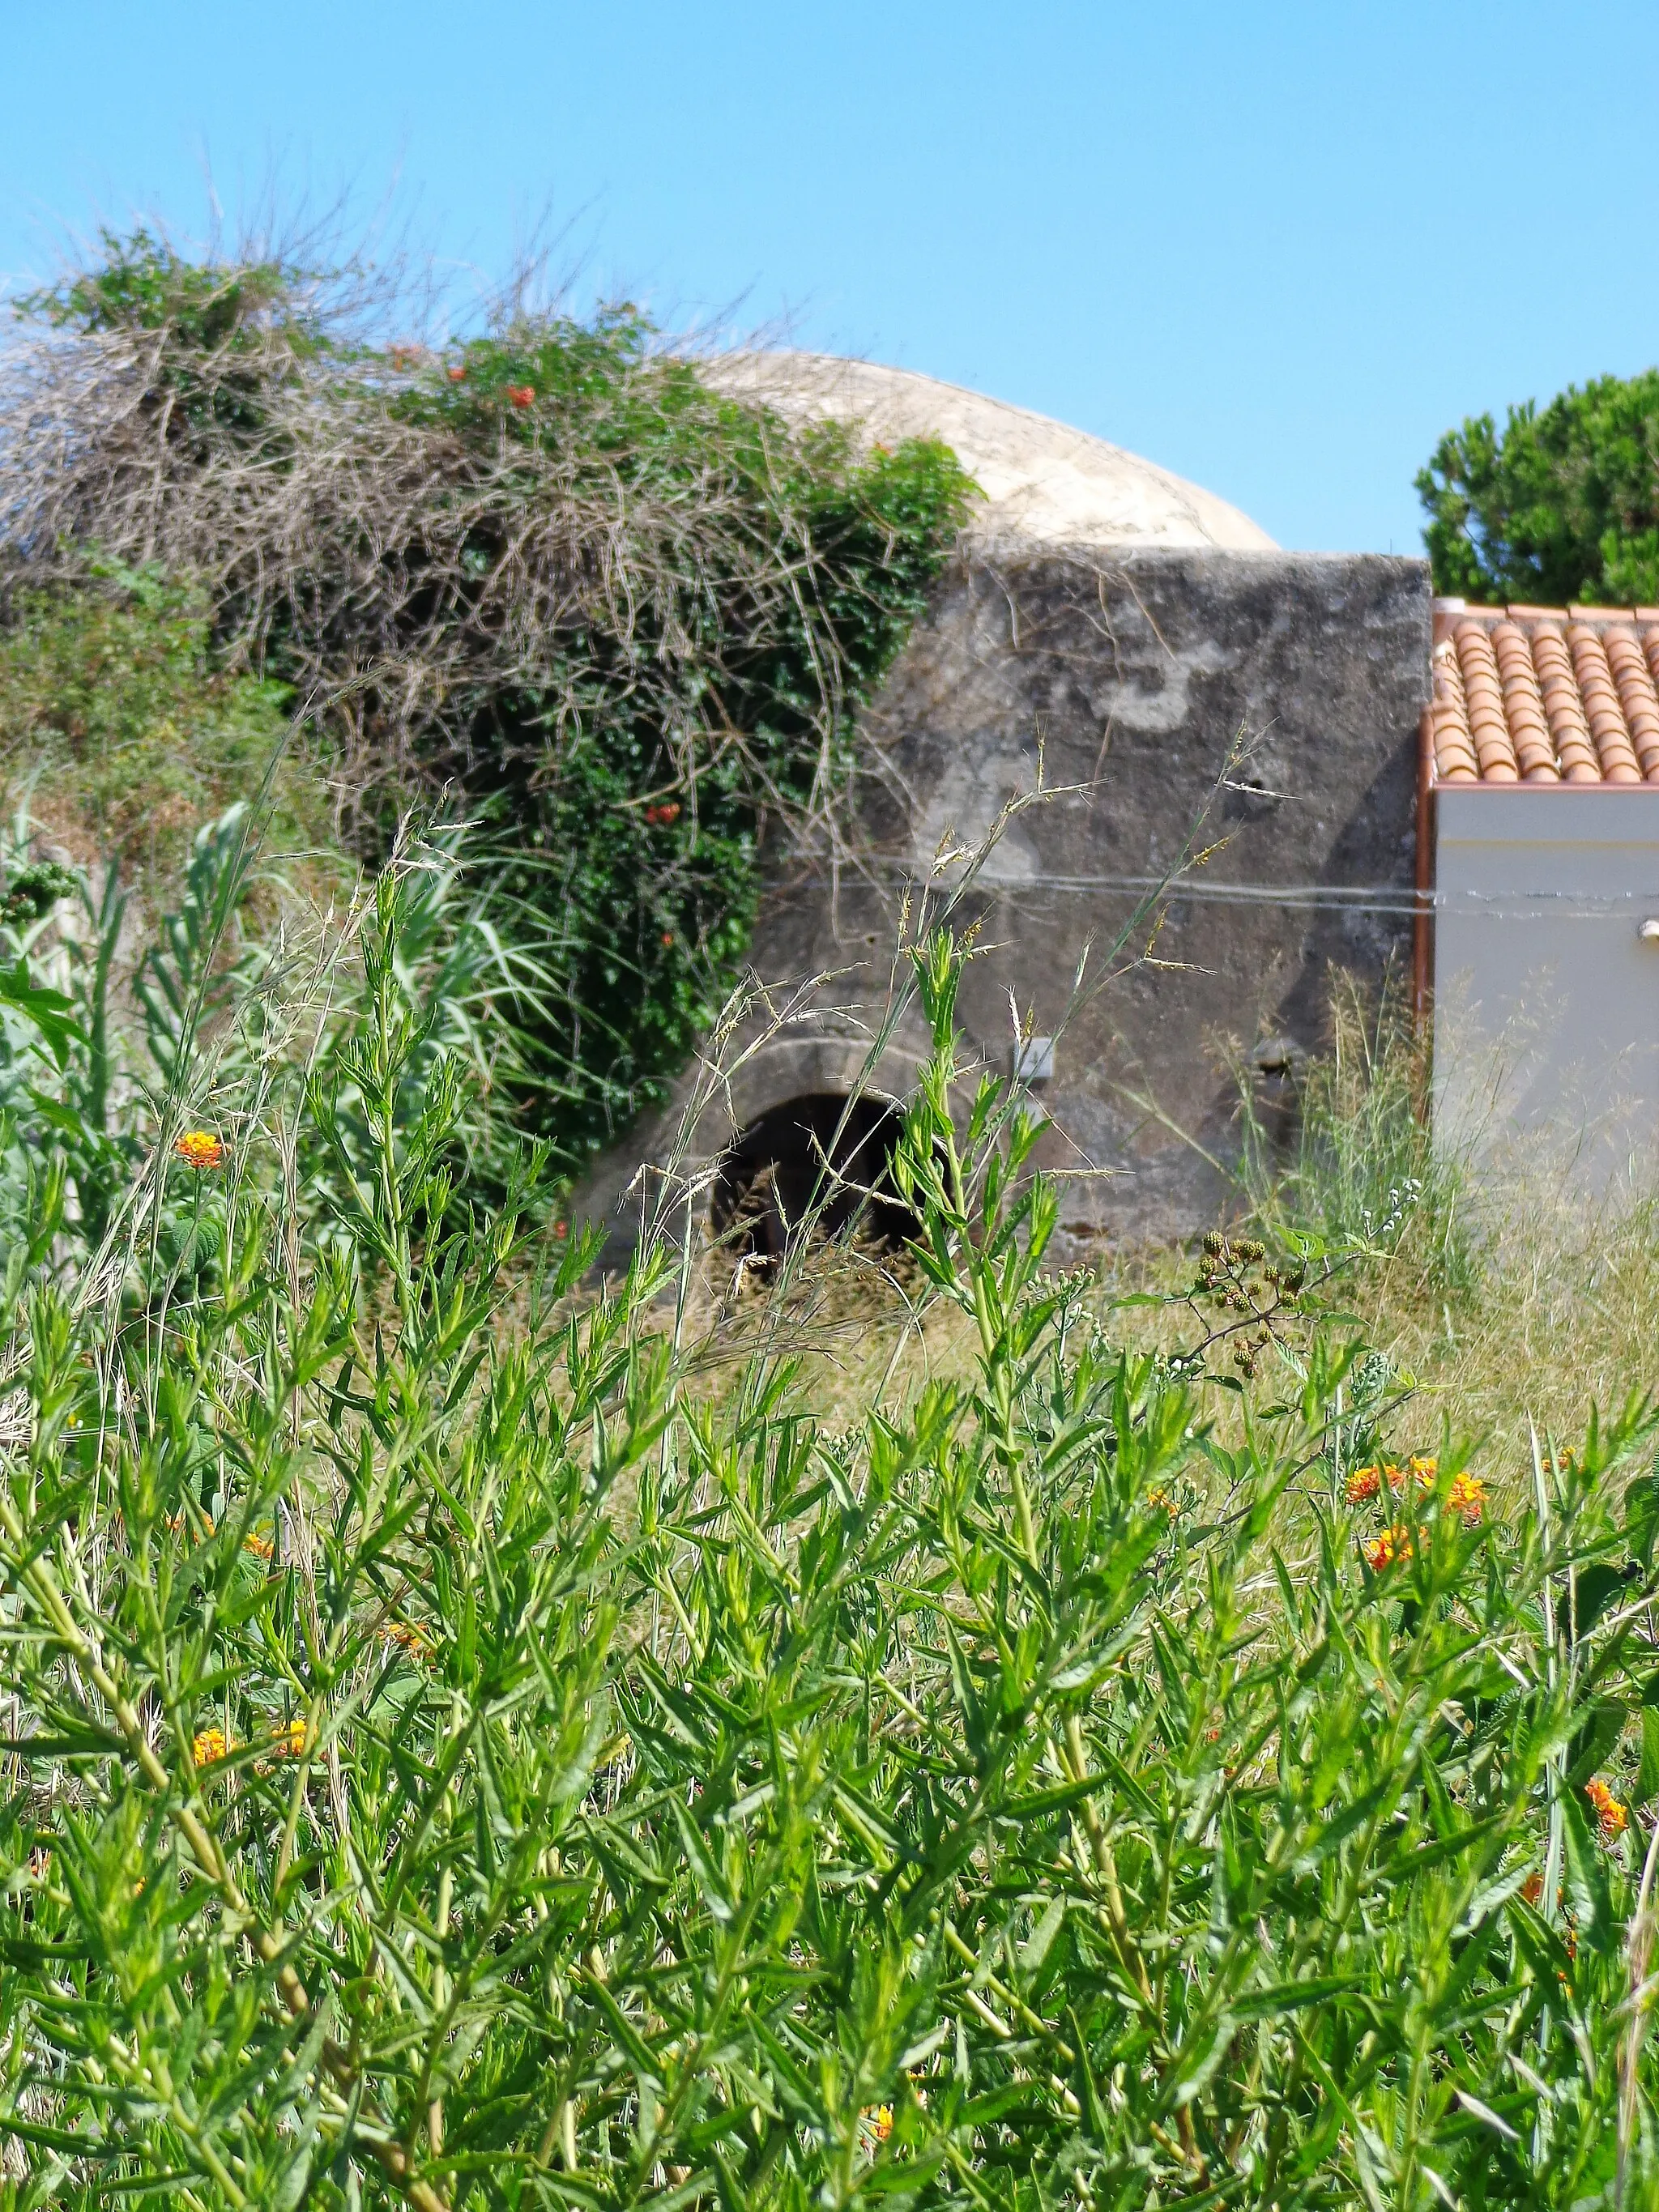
<point x="1394" y="1543"/>
<point x="1611" y="1817"/>
<point x="415" y="1641"/>
<point x="1466" y="1496"/>
<point x="880" y="2119"/>
<point x="199" y="1149"/>
<point x="1158" y="1500"/>
<point x="208" y="1746"/>
<point x="262" y="1545"/>
<point x="287" y="1739"/>
<point x="1366" y="1482"/>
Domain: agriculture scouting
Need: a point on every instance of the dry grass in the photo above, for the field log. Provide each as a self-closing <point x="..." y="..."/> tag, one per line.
<point x="1521" y="1305"/>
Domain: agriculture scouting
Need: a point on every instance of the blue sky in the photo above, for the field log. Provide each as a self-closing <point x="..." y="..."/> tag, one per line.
<point x="1275" y="248"/>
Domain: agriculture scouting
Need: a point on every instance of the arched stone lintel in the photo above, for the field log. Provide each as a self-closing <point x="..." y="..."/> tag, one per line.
<point x="774" y="1073"/>
<point x="802" y="1067"/>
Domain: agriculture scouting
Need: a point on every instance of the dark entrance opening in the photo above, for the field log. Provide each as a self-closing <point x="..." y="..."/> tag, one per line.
<point x="818" y="1155"/>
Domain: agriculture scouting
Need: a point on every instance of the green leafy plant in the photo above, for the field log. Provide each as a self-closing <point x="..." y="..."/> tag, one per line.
<point x="1560" y="505"/>
<point x="452" y="1762"/>
<point x="117" y="724"/>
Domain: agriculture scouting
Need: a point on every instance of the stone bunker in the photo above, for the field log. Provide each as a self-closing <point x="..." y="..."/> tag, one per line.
<point x="1177" y="688"/>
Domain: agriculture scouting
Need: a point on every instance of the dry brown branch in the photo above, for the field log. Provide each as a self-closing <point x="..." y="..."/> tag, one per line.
<point x="412" y="562"/>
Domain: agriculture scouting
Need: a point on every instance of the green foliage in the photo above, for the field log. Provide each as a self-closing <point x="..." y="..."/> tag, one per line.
<point x="632" y="861"/>
<point x="628" y="618"/>
<point x="458" y="1765"/>
<point x="1359" y="1169"/>
<point x="1562" y="505"/>
<point x="634" y="870"/>
<point x="144" y="283"/>
<point x="114" y="716"/>
<point x="105" y="1060"/>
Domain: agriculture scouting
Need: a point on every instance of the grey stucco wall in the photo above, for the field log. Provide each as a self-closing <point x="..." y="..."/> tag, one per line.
<point x="1547" y="995"/>
<point x="1135" y="677"/>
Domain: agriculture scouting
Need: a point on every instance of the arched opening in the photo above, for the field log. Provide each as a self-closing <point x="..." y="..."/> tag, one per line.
<point x="820" y="1155"/>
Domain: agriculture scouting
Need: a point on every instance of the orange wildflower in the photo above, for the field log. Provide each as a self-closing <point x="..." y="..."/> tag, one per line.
<point x="415" y="1641"/>
<point x="1364" y="1485"/>
<point x="208" y="1746"/>
<point x="1466" y="1496"/>
<point x="1533" y="1888"/>
<point x="1159" y="1498"/>
<point x="880" y="2118"/>
<point x="1426" y="1469"/>
<point x="1611" y="1816"/>
<point x="1394" y="1543"/>
<point x="199" y="1149"/>
<point x="261" y="1546"/>
<point x="287" y="1739"/>
<point x="521" y="395"/>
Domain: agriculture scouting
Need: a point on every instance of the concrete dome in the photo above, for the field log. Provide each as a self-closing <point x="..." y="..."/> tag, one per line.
<point x="1043" y="481"/>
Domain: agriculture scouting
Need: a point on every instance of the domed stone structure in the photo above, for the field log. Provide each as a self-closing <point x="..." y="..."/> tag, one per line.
<point x="1043" y="482"/>
<point x="1188" y="761"/>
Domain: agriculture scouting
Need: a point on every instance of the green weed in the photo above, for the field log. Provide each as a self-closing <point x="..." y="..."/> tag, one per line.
<point x="455" y="1764"/>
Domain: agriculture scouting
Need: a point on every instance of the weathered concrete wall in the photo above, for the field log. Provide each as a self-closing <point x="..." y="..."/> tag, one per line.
<point x="1135" y="676"/>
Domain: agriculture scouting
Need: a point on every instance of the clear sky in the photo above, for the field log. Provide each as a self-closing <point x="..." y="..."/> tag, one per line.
<point x="1278" y="249"/>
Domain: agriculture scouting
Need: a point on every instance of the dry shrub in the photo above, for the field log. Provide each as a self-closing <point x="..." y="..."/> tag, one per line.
<point x="628" y="617"/>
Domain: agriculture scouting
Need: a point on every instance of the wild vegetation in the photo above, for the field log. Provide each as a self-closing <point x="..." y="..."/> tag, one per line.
<point x="455" y="1756"/>
<point x="931" y="1730"/>
<point x="621" y="621"/>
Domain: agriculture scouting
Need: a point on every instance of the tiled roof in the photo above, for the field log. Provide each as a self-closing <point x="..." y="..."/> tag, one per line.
<point x="1546" y="694"/>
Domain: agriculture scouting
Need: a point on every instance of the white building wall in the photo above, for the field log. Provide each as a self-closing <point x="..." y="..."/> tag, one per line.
<point x="1547" y="993"/>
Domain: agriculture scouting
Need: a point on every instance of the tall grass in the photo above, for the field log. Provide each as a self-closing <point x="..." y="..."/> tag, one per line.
<point x="455" y="1759"/>
<point x="1511" y="1295"/>
<point x="1361" y="1171"/>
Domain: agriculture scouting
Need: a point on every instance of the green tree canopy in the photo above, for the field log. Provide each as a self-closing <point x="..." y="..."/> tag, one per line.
<point x="1561" y="504"/>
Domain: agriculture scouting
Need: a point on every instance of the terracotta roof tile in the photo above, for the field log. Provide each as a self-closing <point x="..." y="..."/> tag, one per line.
<point x="1546" y="694"/>
<point x="1523" y="704"/>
